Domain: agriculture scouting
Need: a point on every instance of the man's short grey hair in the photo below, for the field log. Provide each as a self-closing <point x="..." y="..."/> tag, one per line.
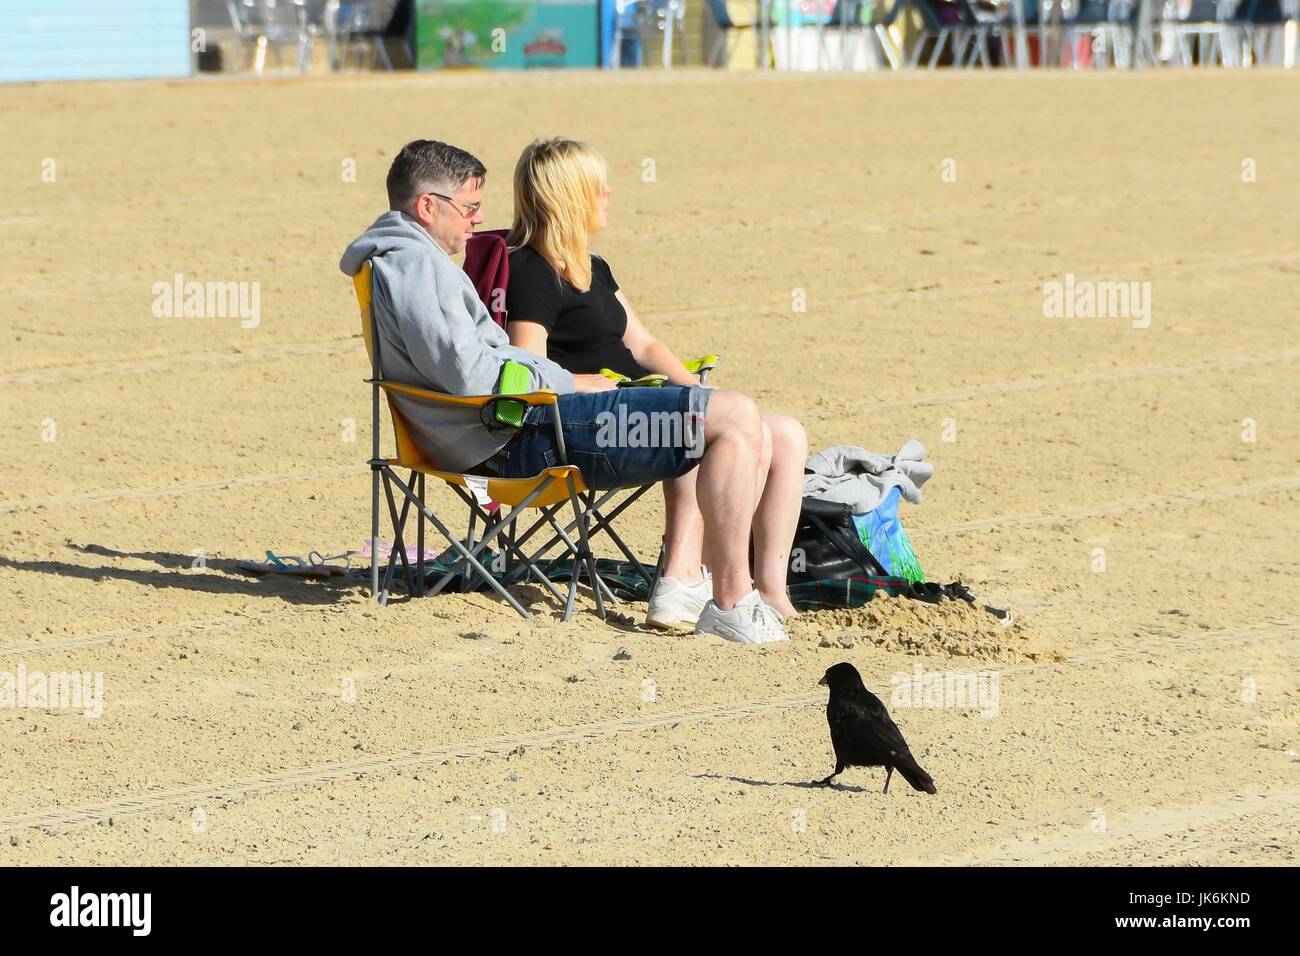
<point x="426" y="165"/>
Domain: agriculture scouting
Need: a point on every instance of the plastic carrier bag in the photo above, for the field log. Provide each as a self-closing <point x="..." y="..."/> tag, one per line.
<point x="882" y="534"/>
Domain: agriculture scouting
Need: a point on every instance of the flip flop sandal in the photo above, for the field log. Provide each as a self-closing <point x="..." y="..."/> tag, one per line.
<point x="316" y="565"/>
<point x="332" y="561"/>
<point x="260" y="568"/>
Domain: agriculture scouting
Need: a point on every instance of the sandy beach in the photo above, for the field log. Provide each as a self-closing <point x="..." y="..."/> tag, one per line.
<point x="1129" y="486"/>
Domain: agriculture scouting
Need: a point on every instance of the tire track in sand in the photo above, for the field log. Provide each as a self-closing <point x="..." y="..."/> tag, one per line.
<point x="60" y="373"/>
<point x="1083" y="378"/>
<point x="1065" y="845"/>
<point x="199" y="487"/>
<point x="65" y="818"/>
<point x="1029" y="519"/>
<point x="206" y="628"/>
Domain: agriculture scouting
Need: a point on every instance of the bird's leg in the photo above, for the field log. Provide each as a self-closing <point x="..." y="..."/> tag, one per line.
<point x="839" y="769"/>
<point x="889" y="772"/>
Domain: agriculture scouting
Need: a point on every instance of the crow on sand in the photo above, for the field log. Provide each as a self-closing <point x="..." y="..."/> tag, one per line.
<point x="862" y="732"/>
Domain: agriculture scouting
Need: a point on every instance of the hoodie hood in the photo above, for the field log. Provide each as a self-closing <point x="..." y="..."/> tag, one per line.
<point x="434" y="332"/>
<point x="391" y="231"/>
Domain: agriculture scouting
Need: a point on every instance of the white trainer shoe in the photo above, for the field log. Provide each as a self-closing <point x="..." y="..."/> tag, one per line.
<point x="749" y="622"/>
<point x="676" y="604"/>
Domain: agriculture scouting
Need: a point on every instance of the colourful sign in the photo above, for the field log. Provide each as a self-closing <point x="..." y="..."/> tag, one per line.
<point x="506" y="34"/>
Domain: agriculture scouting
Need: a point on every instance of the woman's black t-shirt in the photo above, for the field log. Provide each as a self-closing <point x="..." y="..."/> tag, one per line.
<point x="584" y="329"/>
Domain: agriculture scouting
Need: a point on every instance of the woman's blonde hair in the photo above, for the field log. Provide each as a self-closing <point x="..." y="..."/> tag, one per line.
<point x="558" y="187"/>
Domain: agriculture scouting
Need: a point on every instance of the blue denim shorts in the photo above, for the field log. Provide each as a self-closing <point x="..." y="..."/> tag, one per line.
<point x="617" y="438"/>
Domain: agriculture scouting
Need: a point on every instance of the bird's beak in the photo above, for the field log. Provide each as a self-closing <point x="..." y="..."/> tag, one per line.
<point x="822" y="682"/>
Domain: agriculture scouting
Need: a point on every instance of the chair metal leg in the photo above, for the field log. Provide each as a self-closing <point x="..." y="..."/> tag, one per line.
<point x="419" y="537"/>
<point x="938" y="47"/>
<point x="718" y="50"/>
<point x="627" y="552"/>
<point x="960" y="39"/>
<point x="399" y="528"/>
<point x="465" y="553"/>
<point x="603" y="523"/>
<point x="470" y="558"/>
<point x="374" y="532"/>
<point x="489" y="536"/>
<point x="380" y="53"/>
<point x="587" y="556"/>
<point x="387" y="580"/>
<point x="510" y="547"/>
<point x="573" y="589"/>
<point x="659" y="568"/>
<point x="619" y="543"/>
<point x="469" y="542"/>
<point x="506" y="535"/>
<point x="914" y="58"/>
<point x="574" y="548"/>
<point x="892" y="54"/>
<point x="538" y="555"/>
<point x="502" y="529"/>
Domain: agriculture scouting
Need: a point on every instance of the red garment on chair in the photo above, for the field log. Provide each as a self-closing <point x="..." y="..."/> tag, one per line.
<point x="487" y="263"/>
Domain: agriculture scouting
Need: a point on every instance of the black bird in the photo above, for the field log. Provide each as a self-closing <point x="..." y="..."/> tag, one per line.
<point x="863" y="734"/>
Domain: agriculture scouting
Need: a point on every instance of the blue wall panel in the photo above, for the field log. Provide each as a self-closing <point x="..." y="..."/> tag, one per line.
<point x="93" y="39"/>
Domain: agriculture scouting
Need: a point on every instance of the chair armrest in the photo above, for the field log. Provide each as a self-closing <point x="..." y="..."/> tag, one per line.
<point x="479" y="401"/>
<point x="702" y="364"/>
<point x="472" y="401"/>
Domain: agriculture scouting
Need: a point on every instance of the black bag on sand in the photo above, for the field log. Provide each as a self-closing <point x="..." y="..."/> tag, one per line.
<point x="827" y="547"/>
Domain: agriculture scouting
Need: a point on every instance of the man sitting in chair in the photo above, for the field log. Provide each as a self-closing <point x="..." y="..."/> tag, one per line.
<point x="435" y="333"/>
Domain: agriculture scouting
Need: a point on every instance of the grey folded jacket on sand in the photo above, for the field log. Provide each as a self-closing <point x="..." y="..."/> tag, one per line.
<point x="435" y="333"/>
<point x="847" y="474"/>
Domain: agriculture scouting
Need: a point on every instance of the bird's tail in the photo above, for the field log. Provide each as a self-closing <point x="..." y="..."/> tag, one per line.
<point x="913" y="774"/>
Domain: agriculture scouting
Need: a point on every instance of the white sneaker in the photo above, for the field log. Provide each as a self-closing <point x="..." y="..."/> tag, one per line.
<point x="749" y="622"/>
<point x="674" y="603"/>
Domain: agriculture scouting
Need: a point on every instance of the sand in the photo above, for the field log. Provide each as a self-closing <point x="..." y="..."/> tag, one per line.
<point x="1091" y="476"/>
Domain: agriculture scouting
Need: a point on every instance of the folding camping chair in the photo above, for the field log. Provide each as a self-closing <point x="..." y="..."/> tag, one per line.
<point x="548" y="491"/>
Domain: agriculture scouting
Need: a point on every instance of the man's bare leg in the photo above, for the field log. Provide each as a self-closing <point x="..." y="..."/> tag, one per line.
<point x="733" y="436"/>
<point x="684" y="525"/>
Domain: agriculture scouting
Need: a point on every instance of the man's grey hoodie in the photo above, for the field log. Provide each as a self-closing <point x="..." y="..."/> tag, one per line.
<point x="435" y="333"/>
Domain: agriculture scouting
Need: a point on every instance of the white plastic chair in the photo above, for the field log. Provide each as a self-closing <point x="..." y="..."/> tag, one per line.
<point x="642" y="18"/>
<point x="354" y="23"/>
<point x="263" y="25"/>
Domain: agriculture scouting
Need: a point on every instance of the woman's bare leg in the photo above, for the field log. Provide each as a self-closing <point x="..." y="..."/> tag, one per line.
<point x="777" y="515"/>
<point x="683" y="530"/>
<point x="779" y="492"/>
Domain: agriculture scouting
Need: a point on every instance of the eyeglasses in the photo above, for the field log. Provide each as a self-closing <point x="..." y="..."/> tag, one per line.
<point x="472" y="208"/>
